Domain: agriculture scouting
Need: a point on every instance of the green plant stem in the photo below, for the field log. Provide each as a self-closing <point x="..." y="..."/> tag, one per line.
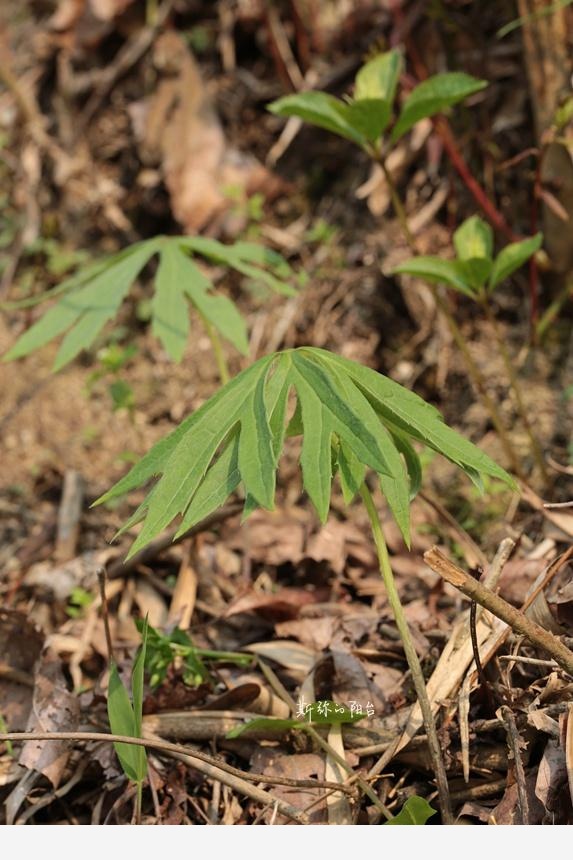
<point x="552" y="312"/>
<point x="411" y="655"/>
<point x="472" y="368"/>
<point x="396" y="203"/>
<point x="516" y="388"/>
<point x="213" y="336"/>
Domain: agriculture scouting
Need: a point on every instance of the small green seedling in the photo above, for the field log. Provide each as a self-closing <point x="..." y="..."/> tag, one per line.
<point x="477" y="273"/>
<point x="367" y="116"/>
<point x="416" y="810"/>
<point x="91" y="298"/>
<point x="125" y="714"/>
<point x="78" y="602"/>
<point x="351" y="419"/>
<point x="163" y="649"/>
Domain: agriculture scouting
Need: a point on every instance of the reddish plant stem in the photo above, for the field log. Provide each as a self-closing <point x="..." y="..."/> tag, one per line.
<point x="459" y="163"/>
<point x="444" y="132"/>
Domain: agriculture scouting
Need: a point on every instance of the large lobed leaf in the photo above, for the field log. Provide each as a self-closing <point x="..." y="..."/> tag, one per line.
<point x="350" y="417"/>
<point x="90" y="299"/>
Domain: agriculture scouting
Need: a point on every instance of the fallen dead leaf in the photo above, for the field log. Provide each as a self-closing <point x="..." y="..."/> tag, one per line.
<point x="282" y="605"/>
<point x="58" y="581"/>
<point x="54" y="709"/>
<point x="273" y="537"/>
<point x="507" y="810"/>
<point x="305" y="766"/>
<point x="291" y="655"/>
<point x="316" y="633"/>
<point x="20" y="647"/>
<point x="179" y="129"/>
<point x="552" y="780"/>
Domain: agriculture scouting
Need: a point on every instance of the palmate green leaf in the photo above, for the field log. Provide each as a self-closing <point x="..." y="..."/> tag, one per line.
<point x="256" y="262"/>
<point x="417" y="419"/>
<point x="416" y="810"/>
<point x="352" y="426"/>
<point x="92" y="297"/>
<point x="411" y="459"/>
<point x="218" y="310"/>
<point x="351" y="418"/>
<point x="97" y="301"/>
<point x="315" y="458"/>
<point x="169" y="311"/>
<point x="433" y="96"/>
<point x="351" y="473"/>
<point x="191" y="458"/>
<point x="257" y="462"/>
<point x="85" y="274"/>
<point x="219" y="483"/>
<point x="512" y="257"/>
<point x="319" y="109"/>
<point x="437" y="271"/>
<point x="393" y="480"/>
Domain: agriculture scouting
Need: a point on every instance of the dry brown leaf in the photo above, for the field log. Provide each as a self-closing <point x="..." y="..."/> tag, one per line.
<point x="59" y="581"/>
<point x="184" y="596"/>
<point x="151" y="604"/>
<point x="20" y="647"/>
<point x="552" y="779"/>
<point x="181" y="131"/>
<point x="563" y="520"/>
<point x="283" y="605"/>
<point x="507" y="810"/>
<point x="266" y="702"/>
<point x="273" y="537"/>
<point x="316" y="633"/>
<point x="518" y="575"/>
<point x="306" y="766"/>
<point x="350" y="683"/>
<point x="291" y="655"/>
<point x="107" y="10"/>
<point x="54" y="709"/>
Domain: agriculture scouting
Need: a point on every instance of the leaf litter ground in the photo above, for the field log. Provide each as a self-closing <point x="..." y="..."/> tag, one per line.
<point x="302" y="601"/>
